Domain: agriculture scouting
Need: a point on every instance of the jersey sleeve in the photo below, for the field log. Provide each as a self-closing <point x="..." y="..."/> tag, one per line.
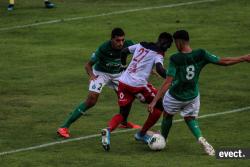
<point x="211" y="58"/>
<point x="132" y="48"/>
<point x="171" y="71"/>
<point x="159" y="59"/>
<point x="95" y="56"/>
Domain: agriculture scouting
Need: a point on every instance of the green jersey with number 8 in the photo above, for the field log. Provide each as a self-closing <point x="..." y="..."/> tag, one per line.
<point x="185" y="68"/>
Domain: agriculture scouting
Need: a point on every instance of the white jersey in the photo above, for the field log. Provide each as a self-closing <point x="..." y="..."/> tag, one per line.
<point x="141" y="65"/>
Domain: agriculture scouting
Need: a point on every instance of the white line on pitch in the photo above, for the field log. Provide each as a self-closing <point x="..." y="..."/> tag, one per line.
<point x="120" y="131"/>
<point x="104" y="14"/>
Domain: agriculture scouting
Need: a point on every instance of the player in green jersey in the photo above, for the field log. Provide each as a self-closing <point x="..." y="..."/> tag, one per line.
<point x="104" y="68"/>
<point x="181" y="85"/>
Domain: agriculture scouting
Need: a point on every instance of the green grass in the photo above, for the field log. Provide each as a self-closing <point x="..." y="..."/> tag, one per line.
<point x="42" y="79"/>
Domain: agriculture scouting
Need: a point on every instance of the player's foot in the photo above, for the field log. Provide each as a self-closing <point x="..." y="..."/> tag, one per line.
<point x="49" y="4"/>
<point x="207" y="147"/>
<point x="145" y="138"/>
<point x="63" y="132"/>
<point x="129" y="125"/>
<point x="106" y="139"/>
<point x="10" y="7"/>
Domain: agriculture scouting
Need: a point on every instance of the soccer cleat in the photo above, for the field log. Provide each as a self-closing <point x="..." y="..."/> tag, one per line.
<point x="49" y="5"/>
<point x="10" y="7"/>
<point x="207" y="147"/>
<point x="63" y="132"/>
<point x="106" y="139"/>
<point x="129" y="125"/>
<point x="145" y="138"/>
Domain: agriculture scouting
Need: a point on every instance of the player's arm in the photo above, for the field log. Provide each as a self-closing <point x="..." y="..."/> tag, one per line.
<point x="226" y="61"/>
<point x="89" y="70"/>
<point x="160" y="93"/>
<point x="89" y="65"/>
<point x="165" y="86"/>
<point x="125" y="52"/>
<point x="160" y="70"/>
<point x="124" y="55"/>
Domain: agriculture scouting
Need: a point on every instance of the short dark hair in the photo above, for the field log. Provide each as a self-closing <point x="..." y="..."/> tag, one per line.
<point x="165" y="36"/>
<point x="117" y="32"/>
<point x="181" y="34"/>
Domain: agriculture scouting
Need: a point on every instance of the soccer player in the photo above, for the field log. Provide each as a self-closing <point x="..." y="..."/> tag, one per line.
<point x="47" y="4"/>
<point x="134" y="83"/>
<point x="104" y="68"/>
<point x="181" y="85"/>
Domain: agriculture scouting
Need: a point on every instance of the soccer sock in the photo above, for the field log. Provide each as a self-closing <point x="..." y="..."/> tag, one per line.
<point x="194" y="127"/>
<point x="12" y="2"/>
<point x="77" y="113"/>
<point x="115" y="121"/>
<point x="152" y="119"/>
<point x="166" y="124"/>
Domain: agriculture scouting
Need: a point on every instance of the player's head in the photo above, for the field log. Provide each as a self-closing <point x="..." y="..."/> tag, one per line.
<point x="164" y="41"/>
<point x="181" y="38"/>
<point x="117" y="38"/>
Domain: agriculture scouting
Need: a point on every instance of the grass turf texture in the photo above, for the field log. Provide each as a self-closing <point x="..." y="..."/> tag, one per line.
<point x="42" y="80"/>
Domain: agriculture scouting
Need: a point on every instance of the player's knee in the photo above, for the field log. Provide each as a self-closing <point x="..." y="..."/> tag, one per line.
<point x="167" y="115"/>
<point x="188" y="118"/>
<point x="91" y="101"/>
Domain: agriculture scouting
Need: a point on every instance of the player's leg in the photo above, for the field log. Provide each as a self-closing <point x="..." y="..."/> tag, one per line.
<point x="119" y="118"/>
<point x="11" y="5"/>
<point x="113" y="84"/>
<point x="148" y="94"/>
<point x="171" y="107"/>
<point x="190" y="112"/>
<point x="166" y="124"/>
<point x="193" y="125"/>
<point x="95" y="88"/>
<point x="113" y="124"/>
<point x="125" y="100"/>
<point x="77" y="113"/>
<point x="48" y="4"/>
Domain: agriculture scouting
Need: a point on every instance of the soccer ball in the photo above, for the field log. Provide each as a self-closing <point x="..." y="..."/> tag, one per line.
<point x="157" y="142"/>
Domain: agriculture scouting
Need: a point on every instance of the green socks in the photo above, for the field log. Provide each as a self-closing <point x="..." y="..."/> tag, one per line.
<point x="194" y="127"/>
<point x="77" y="113"/>
<point x="166" y="125"/>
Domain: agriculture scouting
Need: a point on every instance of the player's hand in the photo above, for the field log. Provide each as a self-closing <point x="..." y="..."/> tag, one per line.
<point x="247" y="58"/>
<point x="151" y="107"/>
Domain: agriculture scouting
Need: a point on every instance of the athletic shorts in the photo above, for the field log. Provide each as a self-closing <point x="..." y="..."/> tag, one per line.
<point x="111" y="80"/>
<point x="127" y="93"/>
<point x="186" y="108"/>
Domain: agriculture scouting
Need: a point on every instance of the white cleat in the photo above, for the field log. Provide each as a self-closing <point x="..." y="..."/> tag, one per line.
<point x="105" y="139"/>
<point x="207" y="147"/>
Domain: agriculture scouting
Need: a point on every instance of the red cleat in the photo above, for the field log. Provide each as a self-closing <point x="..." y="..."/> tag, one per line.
<point x="63" y="132"/>
<point x="130" y="125"/>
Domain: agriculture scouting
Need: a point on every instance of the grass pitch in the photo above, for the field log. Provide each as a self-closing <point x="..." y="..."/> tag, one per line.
<point x="42" y="79"/>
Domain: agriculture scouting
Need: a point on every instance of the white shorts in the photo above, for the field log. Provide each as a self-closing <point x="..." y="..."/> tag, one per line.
<point x="186" y="108"/>
<point x="111" y="80"/>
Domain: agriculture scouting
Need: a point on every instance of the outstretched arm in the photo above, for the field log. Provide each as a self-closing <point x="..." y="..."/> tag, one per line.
<point x="160" y="93"/>
<point x="226" y="61"/>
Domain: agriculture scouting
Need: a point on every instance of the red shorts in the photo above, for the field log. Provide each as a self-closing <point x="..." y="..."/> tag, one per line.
<point x="127" y="94"/>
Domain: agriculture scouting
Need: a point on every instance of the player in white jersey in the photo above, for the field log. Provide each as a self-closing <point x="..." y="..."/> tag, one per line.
<point x="134" y="83"/>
